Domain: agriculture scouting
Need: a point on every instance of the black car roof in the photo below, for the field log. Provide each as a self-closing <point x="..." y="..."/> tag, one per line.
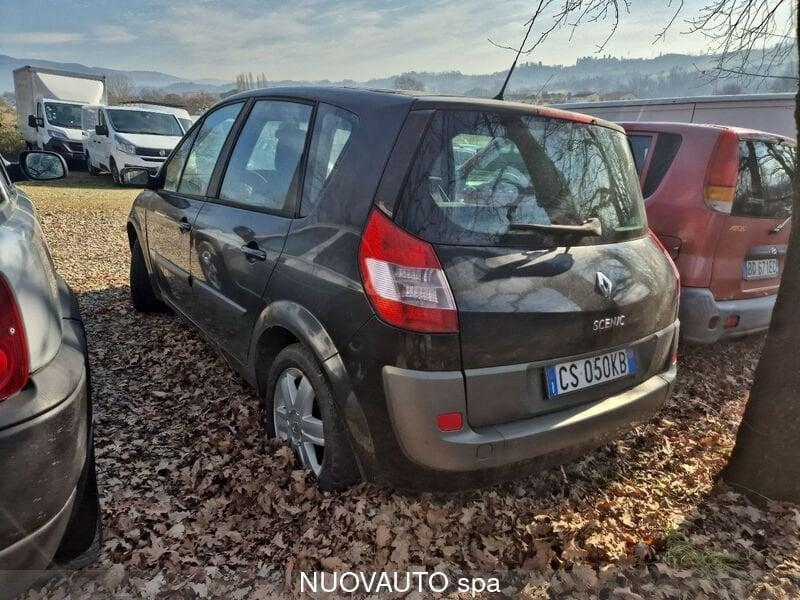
<point x="351" y="97"/>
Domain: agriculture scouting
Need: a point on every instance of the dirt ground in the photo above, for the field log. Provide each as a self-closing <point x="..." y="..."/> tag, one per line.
<point x="198" y="503"/>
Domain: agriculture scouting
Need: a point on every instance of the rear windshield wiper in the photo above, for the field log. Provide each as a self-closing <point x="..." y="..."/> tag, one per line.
<point x="590" y="227"/>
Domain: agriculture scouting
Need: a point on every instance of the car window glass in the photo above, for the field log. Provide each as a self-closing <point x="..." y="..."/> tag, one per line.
<point x="765" y="187"/>
<point x="205" y="151"/>
<point x="332" y="131"/>
<point x="5" y="184"/>
<point x="172" y="170"/>
<point x="264" y="168"/>
<point x="640" y="145"/>
<point x="664" y="153"/>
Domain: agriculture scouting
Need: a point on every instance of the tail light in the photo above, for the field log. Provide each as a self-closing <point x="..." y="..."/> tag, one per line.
<point x="14" y="364"/>
<point x="672" y="264"/>
<point x="404" y="280"/>
<point x="723" y="173"/>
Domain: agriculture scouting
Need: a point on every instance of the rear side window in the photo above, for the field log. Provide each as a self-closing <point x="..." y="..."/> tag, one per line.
<point x="332" y="131"/>
<point x="205" y="151"/>
<point x="640" y="145"/>
<point x="766" y="173"/>
<point x="481" y="177"/>
<point x="665" y="151"/>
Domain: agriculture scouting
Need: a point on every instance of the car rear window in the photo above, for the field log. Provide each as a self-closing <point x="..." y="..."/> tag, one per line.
<point x="765" y="187"/>
<point x="478" y="174"/>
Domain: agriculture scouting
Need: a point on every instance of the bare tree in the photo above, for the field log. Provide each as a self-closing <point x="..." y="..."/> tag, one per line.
<point x="119" y="89"/>
<point x="407" y="81"/>
<point x="745" y="37"/>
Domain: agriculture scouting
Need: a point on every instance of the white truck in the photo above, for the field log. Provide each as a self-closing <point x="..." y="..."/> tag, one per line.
<point x="49" y="108"/>
<point x="773" y="113"/>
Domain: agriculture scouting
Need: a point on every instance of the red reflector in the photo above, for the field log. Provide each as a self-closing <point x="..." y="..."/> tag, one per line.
<point x="404" y="280"/>
<point x="14" y="366"/>
<point x="674" y="355"/>
<point x="450" y="421"/>
<point x="731" y="321"/>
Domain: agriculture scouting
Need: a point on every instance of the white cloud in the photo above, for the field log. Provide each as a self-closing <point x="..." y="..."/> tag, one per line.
<point x="45" y="38"/>
<point x="112" y="34"/>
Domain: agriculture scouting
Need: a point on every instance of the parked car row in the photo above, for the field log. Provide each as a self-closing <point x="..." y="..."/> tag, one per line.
<point x="424" y="292"/>
<point x="67" y="113"/>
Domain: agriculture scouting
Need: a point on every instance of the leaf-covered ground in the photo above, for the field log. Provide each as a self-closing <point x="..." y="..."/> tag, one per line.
<point x="198" y="503"/>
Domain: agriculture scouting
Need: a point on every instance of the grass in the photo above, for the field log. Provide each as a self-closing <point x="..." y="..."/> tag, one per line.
<point x="80" y="191"/>
<point x="681" y="553"/>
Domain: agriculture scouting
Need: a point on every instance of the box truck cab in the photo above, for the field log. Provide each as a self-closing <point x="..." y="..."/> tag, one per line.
<point x="127" y="136"/>
<point x="49" y="106"/>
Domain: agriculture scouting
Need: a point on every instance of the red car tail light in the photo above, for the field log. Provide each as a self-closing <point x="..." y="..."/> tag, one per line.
<point x="723" y="173"/>
<point x="404" y="280"/>
<point x="14" y="362"/>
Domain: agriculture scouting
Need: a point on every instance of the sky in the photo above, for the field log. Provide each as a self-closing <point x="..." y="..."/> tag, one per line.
<point x="313" y="39"/>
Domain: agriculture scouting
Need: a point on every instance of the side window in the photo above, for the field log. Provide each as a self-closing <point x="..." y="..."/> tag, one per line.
<point x="205" y="151"/>
<point x="640" y="146"/>
<point x="264" y="168"/>
<point x="665" y="151"/>
<point x="332" y="131"/>
<point x="172" y="171"/>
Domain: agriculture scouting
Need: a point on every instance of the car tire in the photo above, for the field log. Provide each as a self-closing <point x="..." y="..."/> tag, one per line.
<point x="337" y="467"/>
<point x="142" y="295"/>
<point x="115" y="173"/>
<point x="83" y="537"/>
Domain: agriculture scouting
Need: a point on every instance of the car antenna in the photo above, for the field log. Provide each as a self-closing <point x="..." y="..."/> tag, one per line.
<point x="514" y="64"/>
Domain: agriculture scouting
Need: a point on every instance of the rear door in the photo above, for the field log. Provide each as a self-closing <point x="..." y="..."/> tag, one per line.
<point x="750" y="252"/>
<point x="175" y="206"/>
<point x="239" y="235"/>
<point x="486" y="189"/>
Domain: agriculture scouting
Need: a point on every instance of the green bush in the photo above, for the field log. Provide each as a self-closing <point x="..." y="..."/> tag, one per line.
<point x="11" y="142"/>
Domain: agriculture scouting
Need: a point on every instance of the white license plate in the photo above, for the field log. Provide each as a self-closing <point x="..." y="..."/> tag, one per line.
<point x="575" y="375"/>
<point x="765" y="268"/>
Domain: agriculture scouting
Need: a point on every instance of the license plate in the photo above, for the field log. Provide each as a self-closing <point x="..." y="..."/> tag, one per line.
<point x="765" y="268"/>
<point x="566" y="377"/>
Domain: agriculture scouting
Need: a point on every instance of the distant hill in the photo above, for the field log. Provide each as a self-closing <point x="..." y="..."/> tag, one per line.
<point x="662" y="76"/>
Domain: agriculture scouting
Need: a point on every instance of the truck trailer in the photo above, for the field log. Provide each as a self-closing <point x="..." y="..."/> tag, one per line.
<point x="49" y="108"/>
<point x="773" y="113"/>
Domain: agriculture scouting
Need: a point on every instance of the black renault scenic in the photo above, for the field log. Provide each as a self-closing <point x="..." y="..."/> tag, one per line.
<point x="426" y="292"/>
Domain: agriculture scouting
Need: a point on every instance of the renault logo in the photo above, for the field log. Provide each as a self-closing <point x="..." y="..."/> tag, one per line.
<point x="604" y="286"/>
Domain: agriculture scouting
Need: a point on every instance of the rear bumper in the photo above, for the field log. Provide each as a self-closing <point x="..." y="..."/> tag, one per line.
<point x="44" y="437"/>
<point x="703" y="317"/>
<point x="414" y="399"/>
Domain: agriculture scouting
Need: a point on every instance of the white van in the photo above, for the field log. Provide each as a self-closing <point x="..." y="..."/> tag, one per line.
<point x="122" y="136"/>
<point x="49" y="108"/>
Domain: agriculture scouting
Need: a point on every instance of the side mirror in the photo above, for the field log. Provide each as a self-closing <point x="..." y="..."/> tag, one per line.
<point x="42" y="166"/>
<point x="101" y="130"/>
<point x="137" y="177"/>
<point x="33" y="121"/>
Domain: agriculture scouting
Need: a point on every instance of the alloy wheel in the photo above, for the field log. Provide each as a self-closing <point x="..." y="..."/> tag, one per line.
<point x="298" y="419"/>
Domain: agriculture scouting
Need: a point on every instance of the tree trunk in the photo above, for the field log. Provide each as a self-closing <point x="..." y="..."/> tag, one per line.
<point x="766" y="458"/>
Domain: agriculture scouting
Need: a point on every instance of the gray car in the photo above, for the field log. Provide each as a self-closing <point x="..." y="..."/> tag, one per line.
<point x="49" y="508"/>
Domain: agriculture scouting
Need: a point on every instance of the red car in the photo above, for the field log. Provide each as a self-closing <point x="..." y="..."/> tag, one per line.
<point x="720" y="200"/>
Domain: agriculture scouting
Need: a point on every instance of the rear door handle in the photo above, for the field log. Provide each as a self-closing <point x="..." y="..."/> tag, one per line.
<point x="184" y="224"/>
<point x="254" y="252"/>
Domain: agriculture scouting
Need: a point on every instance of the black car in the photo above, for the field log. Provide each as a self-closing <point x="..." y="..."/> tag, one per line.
<point x="49" y="505"/>
<point x="425" y="291"/>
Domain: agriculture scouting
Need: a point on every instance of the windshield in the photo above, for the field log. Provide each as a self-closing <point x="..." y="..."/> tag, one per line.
<point x="186" y="123"/>
<point x="144" y="122"/>
<point x="480" y="177"/>
<point x="63" y="115"/>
